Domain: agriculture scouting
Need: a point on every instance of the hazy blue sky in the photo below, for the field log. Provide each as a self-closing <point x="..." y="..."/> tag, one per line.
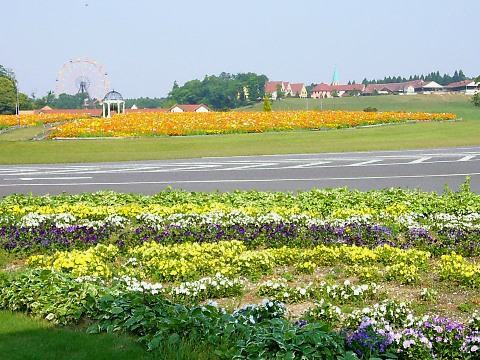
<point x="145" y="45"/>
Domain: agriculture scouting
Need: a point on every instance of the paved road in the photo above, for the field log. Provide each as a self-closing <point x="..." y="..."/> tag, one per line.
<point x="428" y="170"/>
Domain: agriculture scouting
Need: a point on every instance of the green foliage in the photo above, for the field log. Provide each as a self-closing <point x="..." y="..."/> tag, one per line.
<point x="221" y="92"/>
<point x="149" y="103"/>
<point x="54" y="296"/>
<point x="266" y="104"/>
<point x="66" y="101"/>
<point x="476" y="99"/>
<point x="7" y="96"/>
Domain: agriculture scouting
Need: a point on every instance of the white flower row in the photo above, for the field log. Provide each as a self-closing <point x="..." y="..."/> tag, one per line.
<point x="346" y="292"/>
<point x="240" y="218"/>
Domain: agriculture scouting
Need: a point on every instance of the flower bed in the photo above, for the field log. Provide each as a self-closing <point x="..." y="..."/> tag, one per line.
<point x="174" y="124"/>
<point x="377" y="274"/>
<point x="37" y="119"/>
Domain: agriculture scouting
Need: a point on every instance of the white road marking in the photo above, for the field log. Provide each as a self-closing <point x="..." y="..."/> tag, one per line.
<point x="420" y="160"/>
<point x="247" y="166"/>
<point x="365" y="162"/>
<point x="467" y="158"/>
<point x="307" y="165"/>
<point x="167" y="182"/>
<point x="56" y="178"/>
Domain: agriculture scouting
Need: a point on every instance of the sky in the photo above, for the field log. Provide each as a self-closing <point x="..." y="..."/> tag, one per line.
<point x="146" y="45"/>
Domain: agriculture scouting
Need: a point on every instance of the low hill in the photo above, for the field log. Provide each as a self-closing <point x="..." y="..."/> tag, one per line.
<point x="458" y="104"/>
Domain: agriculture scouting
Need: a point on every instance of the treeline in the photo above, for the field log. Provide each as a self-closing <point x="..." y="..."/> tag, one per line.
<point x="149" y="103"/>
<point x="444" y="79"/>
<point x="226" y="91"/>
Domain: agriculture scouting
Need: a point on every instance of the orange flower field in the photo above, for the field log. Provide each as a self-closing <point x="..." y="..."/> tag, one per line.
<point x="36" y="119"/>
<point x="175" y="124"/>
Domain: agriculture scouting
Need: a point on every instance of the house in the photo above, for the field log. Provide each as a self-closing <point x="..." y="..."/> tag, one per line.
<point x="189" y="108"/>
<point x="298" y="90"/>
<point x="469" y="87"/>
<point x="427" y="87"/>
<point x="272" y="87"/>
<point x="327" y="91"/>
<point x="321" y="91"/>
<point x="347" y="90"/>
<point x="384" y="89"/>
<point x="403" y="88"/>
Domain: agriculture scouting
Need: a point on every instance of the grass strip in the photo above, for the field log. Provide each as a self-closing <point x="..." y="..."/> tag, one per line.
<point x="26" y="338"/>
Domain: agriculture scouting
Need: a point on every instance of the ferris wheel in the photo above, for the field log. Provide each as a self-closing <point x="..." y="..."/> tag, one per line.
<point x="83" y="76"/>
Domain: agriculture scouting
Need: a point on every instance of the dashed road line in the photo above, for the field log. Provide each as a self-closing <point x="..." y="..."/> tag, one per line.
<point x="420" y="160"/>
<point x="467" y="158"/>
<point x="368" y="162"/>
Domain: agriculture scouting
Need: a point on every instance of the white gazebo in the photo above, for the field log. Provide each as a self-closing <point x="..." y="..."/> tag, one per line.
<point x="113" y="98"/>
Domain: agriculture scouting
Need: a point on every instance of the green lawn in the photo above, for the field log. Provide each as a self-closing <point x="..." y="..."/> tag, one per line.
<point x="26" y="338"/>
<point x="16" y="150"/>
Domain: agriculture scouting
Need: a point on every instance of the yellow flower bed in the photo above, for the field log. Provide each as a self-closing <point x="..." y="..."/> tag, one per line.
<point x="182" y="262"/>
<point x="456" y="268"/>
<point x="95" y="261"/>
<point x="36" y="119"/>
<point x="172" y="124"/>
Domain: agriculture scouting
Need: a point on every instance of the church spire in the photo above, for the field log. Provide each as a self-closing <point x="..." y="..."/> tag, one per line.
<point x="335" y="76"/>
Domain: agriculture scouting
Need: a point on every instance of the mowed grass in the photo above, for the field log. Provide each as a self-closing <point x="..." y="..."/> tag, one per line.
<point x="26" y="338"/>
<point x="14" y="149"/>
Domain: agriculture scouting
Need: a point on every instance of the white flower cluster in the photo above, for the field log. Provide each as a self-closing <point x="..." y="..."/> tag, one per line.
<point x="440" y="221"/>
<point x="65" y="220"/>
<point x="347" y="292"/>
<point x="152" y="220"/>
<point x="474" y="321"/>
<point x="410" y="221"/>
<point x="34" y="219"/>
<point x="132" y="284"/>
<point x="389" y="311"/>
<point x="324" y="311"/>
<point x="217" y="286"/>
<point x="117" y="220"/>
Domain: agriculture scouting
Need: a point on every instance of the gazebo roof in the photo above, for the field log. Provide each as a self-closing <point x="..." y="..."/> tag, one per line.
<point x="113" y="96"/>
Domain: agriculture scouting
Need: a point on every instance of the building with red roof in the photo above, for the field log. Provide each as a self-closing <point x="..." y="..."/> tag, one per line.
<point x="469" y="87"/>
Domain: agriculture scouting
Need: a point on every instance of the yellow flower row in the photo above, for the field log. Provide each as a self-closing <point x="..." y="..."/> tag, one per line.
<point x="37" y="119"/>
<point x="141" y="124"/>
<point x="93" y="212"/>
<point x="95" y="261"/>
<point x="181" y="262"/>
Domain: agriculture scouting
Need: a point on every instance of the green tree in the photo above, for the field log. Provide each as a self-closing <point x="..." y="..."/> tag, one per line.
<point x="7" y="73"/>
<point x="8" y="97"/>
<point x="66" y="101"/>
<point x="24" y="102"/>
<point x="222" y="92"/>
<point x="266" y="104"/>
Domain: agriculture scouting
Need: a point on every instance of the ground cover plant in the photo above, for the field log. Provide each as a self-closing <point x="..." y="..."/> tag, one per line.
<point x="332" y="273"/>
